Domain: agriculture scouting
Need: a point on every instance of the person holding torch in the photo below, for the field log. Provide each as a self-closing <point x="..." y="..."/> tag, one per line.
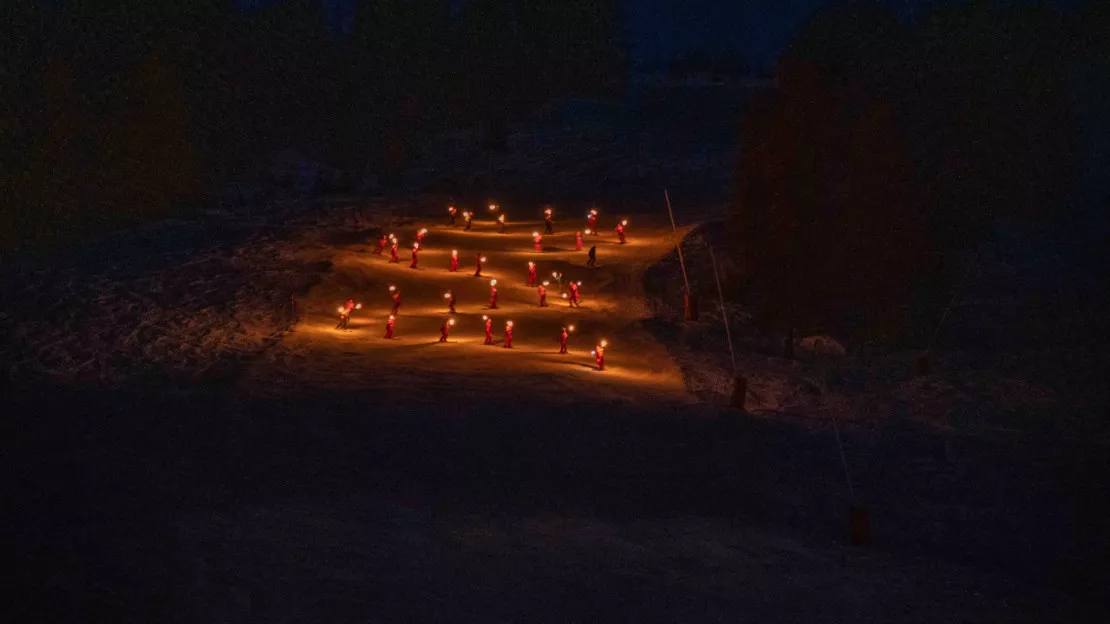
<point x="563" y="335"/>
<point x="531" y="273"/>
<point x="393" y="255"/>
<point x="467" y="218"/>
<point x="415" y="250"/>
<point x="420" y="236"/>
<point x="493" y="294"/>
<point x="454" y="260"/>
<point x="548" y="223"/>
<point x="443" y="331"/>
<point x="345" y="313"/>
<point x="573" y="299"/>
<point x="453" y="214"/>
<point x="489" y="329"/>
<point x="381" y="244"/>
<point x="396" y="300"/>
<point x="501" y="223"/>
<point x="508" y="334"/>
<point x="542" y="290"/>
<point x="578" y="240"/>
<point x="591" y="222"/>
<point x="478" y="264"/>
<point x="538" y="240"/>
<point x="620" y="230"/>
<point x="450" y="297"/>
<point x="599" y="354"/>
<point x="389" y="327"/>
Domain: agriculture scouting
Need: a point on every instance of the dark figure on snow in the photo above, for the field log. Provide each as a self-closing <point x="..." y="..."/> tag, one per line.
<point x="592" y="262"/>
<point x="548" y="223"/>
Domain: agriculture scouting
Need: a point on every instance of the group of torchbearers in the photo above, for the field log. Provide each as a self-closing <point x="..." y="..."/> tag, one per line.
<point x="572" y="297"/>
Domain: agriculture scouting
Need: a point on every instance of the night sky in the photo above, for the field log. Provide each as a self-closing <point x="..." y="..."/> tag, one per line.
<point x="756" y="29"/>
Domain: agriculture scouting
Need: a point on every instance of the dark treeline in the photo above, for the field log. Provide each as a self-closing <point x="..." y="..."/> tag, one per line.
<point x="119" y="110"/>
<point x="887" y="142"/>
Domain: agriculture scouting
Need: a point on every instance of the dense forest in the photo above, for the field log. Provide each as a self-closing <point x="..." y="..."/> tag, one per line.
<point x="122" y="110"/>
<point x="888" y="141"/>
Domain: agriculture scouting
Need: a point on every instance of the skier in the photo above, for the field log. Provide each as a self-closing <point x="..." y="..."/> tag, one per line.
<point x="508" y="334"/>
<point x="453" y="214"/>
<point x="591" y="222"/>
<point x="501" y="223"/>
<point x="493" y="294"/>
<point x="592" y="262"/>
<point x="573" y="299"/>
<point x="578" y="241"/>
<point x="548" y="224"/>
<point x="393" y="255"/>
<point x="538" y="240"/>
<point x="563" y="335"/>
<point x="420" y="236"/>
<point x="478" y="263"/>
<point x="396" y="300"/>
<point x="467" y="218"/>
<point x="450" y="297"/>
<point x="415" y="249"/>
<point x="599" y="355"/>
<point x="389" y="327"/>
<point x="345" y="314"/>
<point x="381" y="244"/>
<point x="542" y="290"/>
<point x="531" y="273"/>
<point x="620" y="230"/>
<point x="445" y="329"/>
<point x="454" y="260"/>
<point x="489" y="329"/>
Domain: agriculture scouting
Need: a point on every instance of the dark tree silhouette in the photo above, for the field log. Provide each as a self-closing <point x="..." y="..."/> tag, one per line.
<point x="885" y="141"/>
<point x="130" y="109"/>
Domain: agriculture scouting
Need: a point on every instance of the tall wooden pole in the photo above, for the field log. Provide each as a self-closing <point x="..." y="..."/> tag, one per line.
<point x="677" y="245"/>
<point x="724" y="313"/>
